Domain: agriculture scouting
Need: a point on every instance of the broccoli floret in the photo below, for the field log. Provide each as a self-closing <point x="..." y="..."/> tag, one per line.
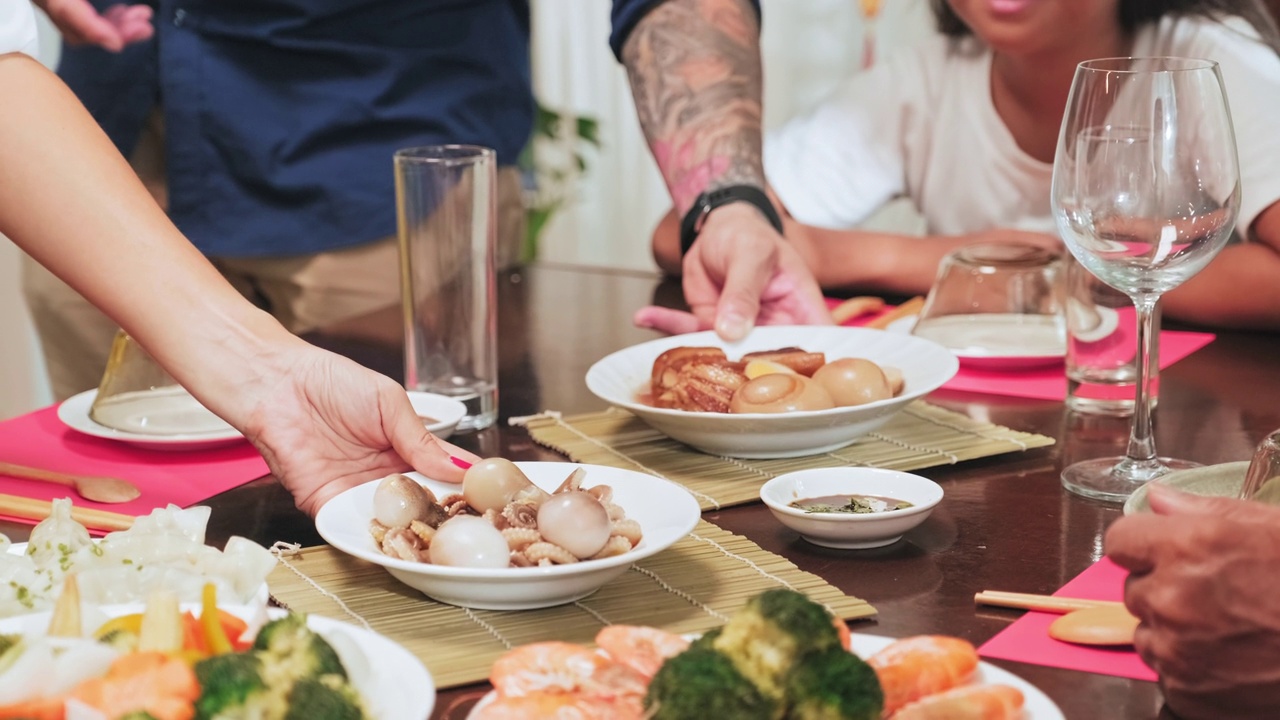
<point x="772" y="632"/>
<point x="702" y="683"/>
<point x="138" y="715"/>
<point x="833" y="685"/>
<point x="706" y="639"/>
<point x="290" y="651"/>
<point x="231" y="686"/>
<point x="325" y="698"/>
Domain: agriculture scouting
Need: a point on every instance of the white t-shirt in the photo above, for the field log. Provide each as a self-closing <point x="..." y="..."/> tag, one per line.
<point x="18" y="27"/>
<point x="922" y="125"/>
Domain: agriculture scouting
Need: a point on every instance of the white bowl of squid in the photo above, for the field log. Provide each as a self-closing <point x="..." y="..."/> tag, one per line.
<point x="482" y="569"/>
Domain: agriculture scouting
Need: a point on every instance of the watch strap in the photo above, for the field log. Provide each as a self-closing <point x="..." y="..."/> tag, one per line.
<point x="695" y="218"/>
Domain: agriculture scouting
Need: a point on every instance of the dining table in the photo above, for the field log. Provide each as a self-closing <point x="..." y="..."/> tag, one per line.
<point x="1005" y="523"/>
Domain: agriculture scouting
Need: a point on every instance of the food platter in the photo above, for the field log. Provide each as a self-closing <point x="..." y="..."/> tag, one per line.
<point x="1037" y="706"/>
<point x="394" y="683"/>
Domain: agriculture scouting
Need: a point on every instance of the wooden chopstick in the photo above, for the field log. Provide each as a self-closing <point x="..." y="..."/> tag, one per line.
<point x="856" y="307"/>
<point x="910" y="307"/>
<point x="32" y="509"/>
<point x="1043" y="603"/>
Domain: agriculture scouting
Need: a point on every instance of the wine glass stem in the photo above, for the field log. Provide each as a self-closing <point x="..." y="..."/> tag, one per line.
<point x="1142" y="446"/>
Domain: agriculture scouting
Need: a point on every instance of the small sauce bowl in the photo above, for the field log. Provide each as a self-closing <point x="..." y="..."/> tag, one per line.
<point x="846" y="530"/>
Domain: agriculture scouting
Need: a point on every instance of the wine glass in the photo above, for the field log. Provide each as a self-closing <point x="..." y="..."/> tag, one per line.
<point x="1146" y="189"/>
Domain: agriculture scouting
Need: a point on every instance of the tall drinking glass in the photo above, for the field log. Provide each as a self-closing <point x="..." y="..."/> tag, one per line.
<point x="446" y="206"/>
<point x="1146" y="189"/>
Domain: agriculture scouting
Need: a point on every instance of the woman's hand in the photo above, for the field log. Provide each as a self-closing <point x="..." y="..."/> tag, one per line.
<point x="326" y="424"/>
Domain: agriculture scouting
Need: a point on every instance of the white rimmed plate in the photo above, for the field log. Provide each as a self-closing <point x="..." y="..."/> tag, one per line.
<point x="74" y="413"/>
<point x="396" y="687"/>
<point x="621" y="377"/>
<point x="994" y="341"/>
<point x="440" y="413"/>
<point x="1037" y="705"/>
<point x="666" y="513"/>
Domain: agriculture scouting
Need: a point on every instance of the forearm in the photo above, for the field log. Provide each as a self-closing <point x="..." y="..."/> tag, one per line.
<point x="694" y="67"/>
<point x="1237" y="290"/>
<point x="71" y="201"/>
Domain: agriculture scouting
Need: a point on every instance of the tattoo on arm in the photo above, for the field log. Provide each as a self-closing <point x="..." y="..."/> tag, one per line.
<point x="694" y="67"/>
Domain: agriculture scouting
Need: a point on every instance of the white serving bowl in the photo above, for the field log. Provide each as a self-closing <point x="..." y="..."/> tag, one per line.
<point x="622" y="377"/>
<point x="445" y="412"/>
<point x="666" y="513"/>
<point x="851" y="530"/>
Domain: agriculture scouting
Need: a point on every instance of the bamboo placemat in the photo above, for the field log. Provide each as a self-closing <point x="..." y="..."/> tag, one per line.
<point x="920" y="436"/>
<point x="691" y="587"/>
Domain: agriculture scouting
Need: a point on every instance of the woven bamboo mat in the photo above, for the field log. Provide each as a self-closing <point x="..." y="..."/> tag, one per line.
<point x="920" y="436"/>
<point x="691" y="587"/>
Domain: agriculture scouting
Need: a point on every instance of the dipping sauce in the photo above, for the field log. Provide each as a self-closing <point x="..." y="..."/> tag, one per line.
<point x="855" y="504"/>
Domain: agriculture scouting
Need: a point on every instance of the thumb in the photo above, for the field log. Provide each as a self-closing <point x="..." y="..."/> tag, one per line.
<point x="739" y="305"/>
<point x="424" y="452"/>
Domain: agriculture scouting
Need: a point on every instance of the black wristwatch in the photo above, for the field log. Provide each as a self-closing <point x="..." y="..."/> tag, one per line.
<point x="693" y="220"/>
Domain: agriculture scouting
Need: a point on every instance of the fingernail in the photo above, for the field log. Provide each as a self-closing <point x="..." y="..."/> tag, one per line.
<point x="733" y="327"/>
<point x="460" y="462"/>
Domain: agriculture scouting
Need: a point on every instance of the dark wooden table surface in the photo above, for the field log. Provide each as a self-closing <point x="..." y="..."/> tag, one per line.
<point x="1005" y="522"/>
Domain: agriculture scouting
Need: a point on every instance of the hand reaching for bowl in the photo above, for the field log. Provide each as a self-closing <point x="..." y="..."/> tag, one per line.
<point x="1205" y="582"/>
<point x="738" y="274"/>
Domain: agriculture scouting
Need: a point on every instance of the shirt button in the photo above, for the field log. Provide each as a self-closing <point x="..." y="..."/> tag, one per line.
<point x="179" y="16"/>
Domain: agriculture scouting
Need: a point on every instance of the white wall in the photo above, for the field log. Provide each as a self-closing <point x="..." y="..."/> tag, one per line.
<point x="23" y="386"/>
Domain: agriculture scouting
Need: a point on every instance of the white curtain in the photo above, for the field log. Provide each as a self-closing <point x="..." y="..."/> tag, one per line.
<point x="808" y="47"/>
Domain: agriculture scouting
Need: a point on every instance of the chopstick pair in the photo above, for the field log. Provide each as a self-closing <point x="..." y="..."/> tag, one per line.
<point x="31" y="509"/>
<point x="1042" y="603"/>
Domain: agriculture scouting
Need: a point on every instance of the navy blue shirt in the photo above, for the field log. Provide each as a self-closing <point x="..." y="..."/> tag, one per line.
<point x="281" y="116"/>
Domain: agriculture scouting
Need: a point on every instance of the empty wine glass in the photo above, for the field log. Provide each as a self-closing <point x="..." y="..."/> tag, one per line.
<point x="1146" y="189"/>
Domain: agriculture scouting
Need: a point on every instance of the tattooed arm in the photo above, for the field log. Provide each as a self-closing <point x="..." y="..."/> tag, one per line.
<point x="694" y="67"/>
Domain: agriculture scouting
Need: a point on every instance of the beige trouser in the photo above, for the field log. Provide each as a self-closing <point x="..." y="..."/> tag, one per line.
<point x="304" y="292"/>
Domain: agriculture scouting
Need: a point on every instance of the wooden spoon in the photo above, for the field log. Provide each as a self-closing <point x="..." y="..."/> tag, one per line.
<point x="97" y="489"/>
<point x="1084" y="622"/>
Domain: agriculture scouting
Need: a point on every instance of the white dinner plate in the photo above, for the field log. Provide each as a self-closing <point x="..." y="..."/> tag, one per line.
<point x="994" y="341"/>
<point x="397" y="686"/>
<point x="1037" y="705"/>
<point x="74" y="413"/>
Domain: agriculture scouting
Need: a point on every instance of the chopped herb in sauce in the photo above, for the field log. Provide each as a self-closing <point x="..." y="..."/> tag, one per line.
<point x="857" y="504"/>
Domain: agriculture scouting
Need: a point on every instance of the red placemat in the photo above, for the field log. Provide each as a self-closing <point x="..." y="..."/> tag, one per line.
<point x="1049" y="382"/>
<point x="1027" y="639"/>
<point x="40" y="440"/>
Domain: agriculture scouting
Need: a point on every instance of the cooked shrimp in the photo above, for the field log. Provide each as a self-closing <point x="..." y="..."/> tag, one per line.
<point x="914" y="667"/>
<point x="560" y="706"/>
<point x="563" y="667"/>
<point x="971" y="702"/>
<point x="641" y="648"/>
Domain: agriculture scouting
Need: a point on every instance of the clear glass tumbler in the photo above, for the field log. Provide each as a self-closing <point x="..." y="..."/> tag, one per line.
<point x="446" y="207"/>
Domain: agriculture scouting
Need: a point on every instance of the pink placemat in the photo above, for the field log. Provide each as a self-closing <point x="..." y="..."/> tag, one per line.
<point x="39" y="439"/>
<point x="1027" y="639"/>
<point x="1049" y="382"/>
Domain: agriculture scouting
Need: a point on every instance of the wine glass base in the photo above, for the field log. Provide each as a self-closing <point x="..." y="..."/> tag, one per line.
<point x="1101" y="478"/>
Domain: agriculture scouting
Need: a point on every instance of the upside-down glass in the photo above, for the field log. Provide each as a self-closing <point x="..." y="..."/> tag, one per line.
<point x="1146" y="189"/>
